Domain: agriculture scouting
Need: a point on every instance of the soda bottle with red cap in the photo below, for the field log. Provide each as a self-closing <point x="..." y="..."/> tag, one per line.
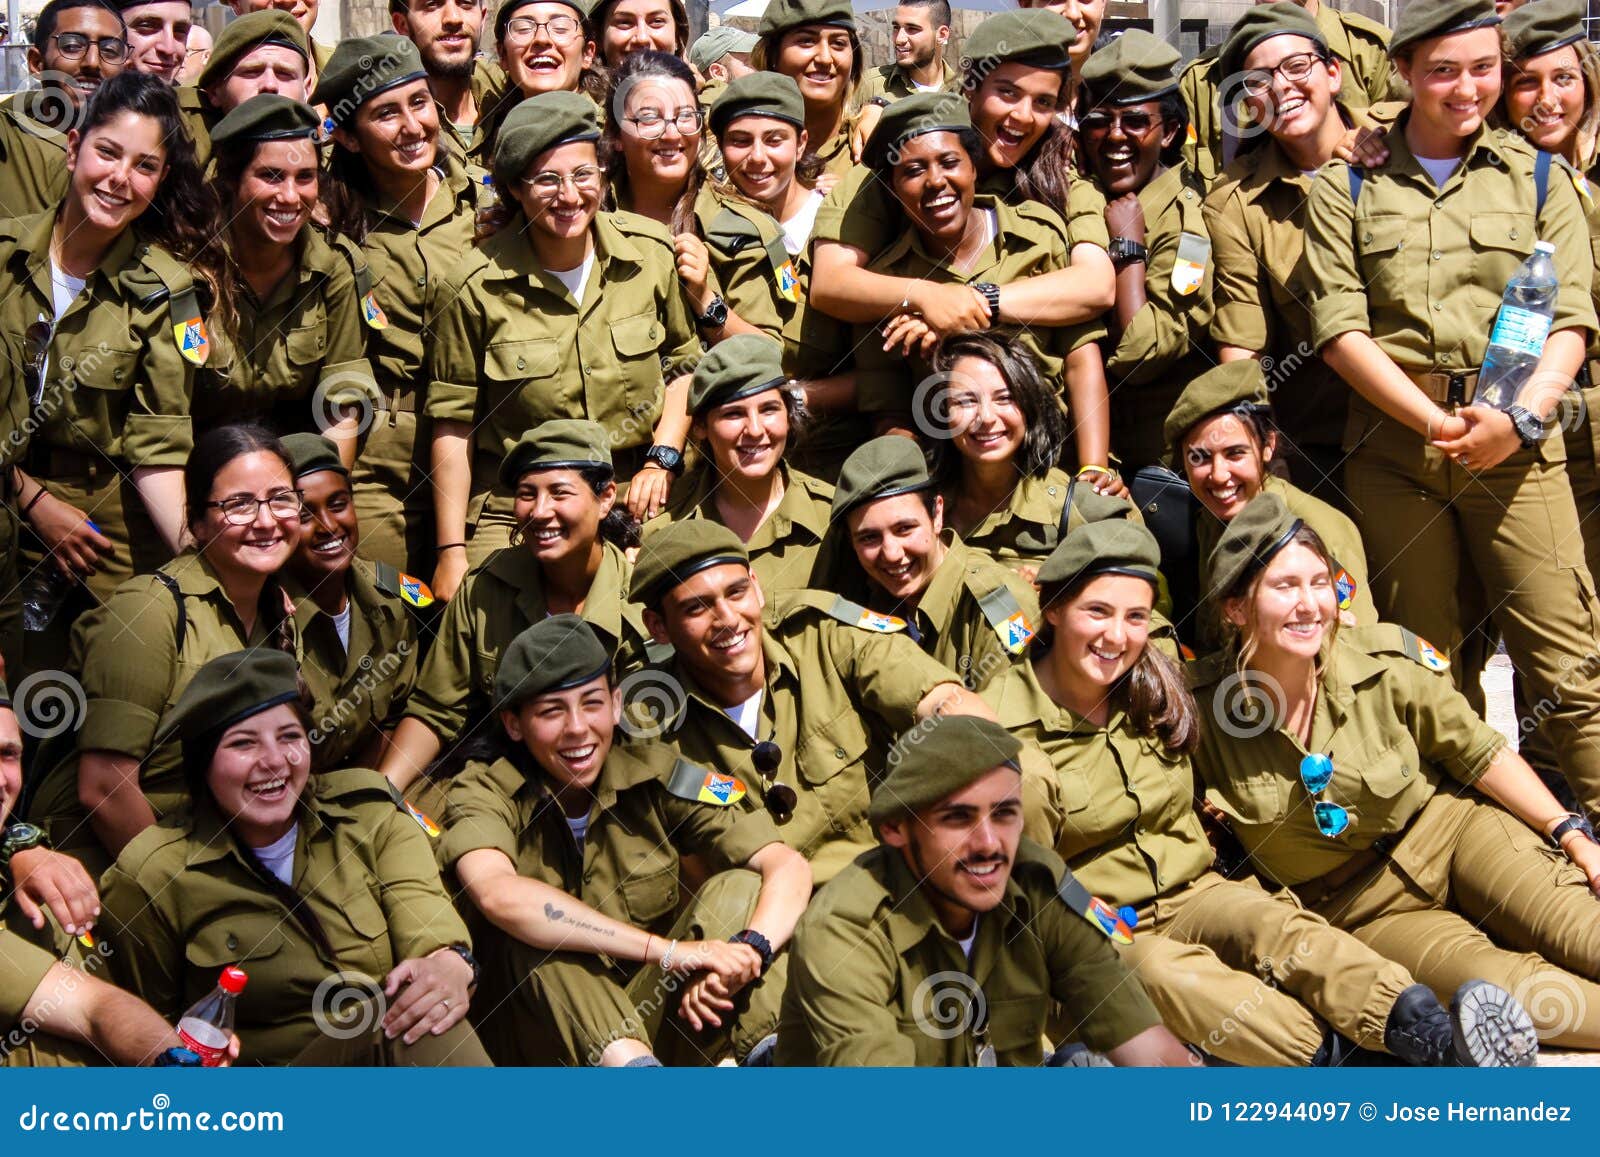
<point x="207" y="1027"/>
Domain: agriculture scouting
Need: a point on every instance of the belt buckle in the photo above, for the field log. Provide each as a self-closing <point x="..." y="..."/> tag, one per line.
<point x="1456" y="390"/>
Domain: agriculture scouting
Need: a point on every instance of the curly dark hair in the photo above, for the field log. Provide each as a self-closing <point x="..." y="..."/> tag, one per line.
<point x="1049" y="428"/>
<point x="637" y="66"/>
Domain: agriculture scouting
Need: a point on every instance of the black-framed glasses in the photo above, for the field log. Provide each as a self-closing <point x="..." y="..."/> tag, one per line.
<point x="558" y="27"/>
<point x="1131" y="121"/>
<point x="1294" y="69"/>
<point x="1316" y="773"/>
<point x="780" y="798"/>
<point x="73" y="45"/>
<point x="651" y="125"/>
<point x="242" y="509"/>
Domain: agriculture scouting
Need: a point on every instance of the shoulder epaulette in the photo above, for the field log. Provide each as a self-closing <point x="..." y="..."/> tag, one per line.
<point x="697" y="784"/>
<point x="1391" y="639"/>
<point x="176" y="284"/>
<point x="359" y="785"/>
<point x="1115" y="923"/>
<point x="393" y="582"/>
<point x="1007" y="619"/>
<point x="854" y="614"/>
<point x="638" y="225"/>
<point x="1355" y="22"/>
<point x="371" y="312"/>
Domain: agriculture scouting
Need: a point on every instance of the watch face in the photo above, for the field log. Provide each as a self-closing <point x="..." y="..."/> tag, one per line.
<point x="22" y="833"/>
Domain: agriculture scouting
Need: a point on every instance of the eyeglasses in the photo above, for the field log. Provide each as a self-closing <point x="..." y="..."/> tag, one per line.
<point x="242" y="509"/>
<point x="651" y="125"/>
<point x="36" y="338"/>
<point x="548" y="184"/>
<point x="780" y="797"/>
<point x="558" y="27"/>
<point x="1137" y="123"/>
<point x="1258" y="81"/>
<point x="73" y="45"/>
<point x="1316" y="773"/>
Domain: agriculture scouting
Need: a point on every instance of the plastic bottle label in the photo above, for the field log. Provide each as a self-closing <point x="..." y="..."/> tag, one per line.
<point x="1521" y="330"/>
<point x="206" y="1041"/>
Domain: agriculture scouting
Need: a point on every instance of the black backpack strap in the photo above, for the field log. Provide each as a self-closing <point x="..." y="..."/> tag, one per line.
<point x="182" y="627"/>
<point x="1066" y="512"/>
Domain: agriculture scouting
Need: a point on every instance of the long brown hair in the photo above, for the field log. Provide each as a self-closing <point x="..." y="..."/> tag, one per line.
<point x="636" y="67"/>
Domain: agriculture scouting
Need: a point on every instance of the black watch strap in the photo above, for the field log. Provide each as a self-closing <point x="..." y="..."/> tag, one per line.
<point x="1125" y="252"/>
<point x="667" y="458"/>
<point x="465" y="953"/>
<point x="1527" y="425"/>
<point x="757" y="941"/>
<point x="991" y="294"/>
<point x="1573" y="823"/>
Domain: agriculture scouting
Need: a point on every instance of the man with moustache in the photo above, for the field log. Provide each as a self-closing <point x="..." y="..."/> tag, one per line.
<point x="446" y="33"/>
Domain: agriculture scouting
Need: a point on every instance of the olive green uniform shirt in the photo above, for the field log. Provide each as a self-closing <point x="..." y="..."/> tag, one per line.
<point x="1029" y="240"/>
<point x="1117" y="806"/>
<point x="297" y="354"/>
<point x="357" y="691"/>
<point x="1393" y="729"/>
<point x="116" y="389"/>
<point x="511" y="348"/>
<point x="870" y="962"/>
<point x="1027" y="529"/>
<point x="791" y="550"/>
<point x="1421" y="269"/>
<point x="832" y="688"/>
<point x="752" y="266"/>
<point x="498" y="600"/>
<point x="23" y="966"/>
<point x="33" y="161"/>
<point x="893" y="82"/>
<point x="1255" y="214"/>
<point x="185" y="900"/>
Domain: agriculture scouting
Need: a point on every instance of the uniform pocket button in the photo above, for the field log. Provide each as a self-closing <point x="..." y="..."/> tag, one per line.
<point x="1513" y="235"/>
<point x="233" y="943"/>
<point x="521" y="364"/>
<point x="838" y="753"/>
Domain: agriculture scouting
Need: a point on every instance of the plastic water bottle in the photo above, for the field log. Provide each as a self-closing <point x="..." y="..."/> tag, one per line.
<point x="1520" y="329"/>
<point x="206" y="1027"/>
<point x="45" y="591"/>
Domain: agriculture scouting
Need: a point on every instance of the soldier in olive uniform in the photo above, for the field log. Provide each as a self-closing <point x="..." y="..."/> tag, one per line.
<point x="969" y="612"/>
<point x="542" y="46"/>
<point x="282" y="70"/>
<point x="1158" y="239"/>
<point x="721" y="55"/>
<point x="409" y="202"/>
<point x="947" y="944"/>
<point x="295" y="355"/>
<point x="815" y="42"/>
<point x="570" y="846"/>
<point x="1222" y="436"/>
<point x="567" y="556"/>
<point x="1255" y="215"/>
<point x="744" y="419"/>
<point x="788" y="697"/>
<point x="1329" y="751"/>
<point x="1114" y="796"/>
<point x="353" y="618"/>
<point x="1360" y="45"/>
<point x="1451" y="494"/>
<point x="294" y="879"/>
<point x="566" y="312"/>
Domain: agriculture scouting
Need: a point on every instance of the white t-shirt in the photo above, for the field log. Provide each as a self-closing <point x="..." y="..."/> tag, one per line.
<point x="1441" y="169"/>
<point x="341" y="623"/>
<point x="575" y="279"/>
<point x="64" y="289"/>
<point x="934" y="87"/>
<point x="797" y="229"/>
<point x="278" y="856"/>
<point x="747" y="714"/>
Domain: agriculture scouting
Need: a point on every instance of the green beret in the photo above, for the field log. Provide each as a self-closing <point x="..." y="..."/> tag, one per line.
<point x="912" y="116"/>
<point x="1263" y="22"/>
<point x="1114" y="546"/>
<point x="560" y="444"/>
<point x="1036" y="37"/>
<point x="764" y="94"/>
<point x="719" y="42"/>
<point x="1535" y="29"/>
<point x="245" y="35"/>
<point x="511" y="7"/>
<point x="938" y="758"/>
<point x="1133" y="68"/>
<point x="310" y="453"/>
<point x="882" y="468"/>
<point x="556" y="653"/>
<point x="231" y="688"/>
<point x="540" y="123"/>
<point x="673" y="554"/>
<point x="783" y="15"/>
<point x="736" y="367"/>
<point x="1229" y="386"/>
<point x="1259" y="531"/>
<point x="361" y="69"/>
<point x="267" y="117"/>
<point x="1425" y="19"/>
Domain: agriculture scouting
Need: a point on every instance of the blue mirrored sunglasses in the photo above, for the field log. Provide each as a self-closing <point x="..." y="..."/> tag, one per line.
<point x="1316" y="773"/>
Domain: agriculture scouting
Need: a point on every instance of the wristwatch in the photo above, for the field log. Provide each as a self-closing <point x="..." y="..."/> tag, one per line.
<point x="667" y="458"/>
<point x="1573" y="823"/>
<point x="991" y="294"/>
<point x="465" y="953"/>
<point x="19" y="837"/>
<point x="757" y="941"/>
<point x="1126" y="252"/>
<point x="1529" y="429"/>
<point x="715" y="316"/>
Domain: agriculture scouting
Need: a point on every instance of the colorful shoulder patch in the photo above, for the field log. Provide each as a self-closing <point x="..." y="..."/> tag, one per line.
<point x="1189" y="270"/>
<point x="372" y="313"/>
<point x="1345" y="587"/>
<point x="193" y="341"/>
<point x="415" y="591"/>
<point x="868" y="620"/>
<point x="692" y="782"/>
<point x="1008" y="620"/>
<point x="1581" y="183"/>
<point x="1425" y="652"/>
<point x="423" y="821"/>
<point x="1117" y="923"/>
<point x="788" y="282"/>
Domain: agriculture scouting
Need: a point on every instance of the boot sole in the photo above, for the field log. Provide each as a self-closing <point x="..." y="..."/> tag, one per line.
<point x="1492" y="1030"/>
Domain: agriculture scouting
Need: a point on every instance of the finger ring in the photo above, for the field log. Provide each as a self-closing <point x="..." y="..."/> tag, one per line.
<point x="445" y="1003"/>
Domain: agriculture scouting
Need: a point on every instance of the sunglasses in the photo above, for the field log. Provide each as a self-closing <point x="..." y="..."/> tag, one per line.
<point x="780" y="797"/>
<point x="1316" y="773"/>
<point x="36" y="338"/>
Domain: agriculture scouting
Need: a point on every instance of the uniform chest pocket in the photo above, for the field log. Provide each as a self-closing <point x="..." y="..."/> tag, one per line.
<point x="1256" y="798"/>
<point x="1016" y="1029"/>
<point x="1387" y="773"/>
<point x="637" y="336"/>
<point x="832" y="764"/>
<point x="1500" y="243"/>
<point x="650" y="892"/>
<point x="520" y="361"/>
<point x="363" y="913"/>
<point x="307" y="344"/>
<point x="244" y="938"/>
<point x="100" y="367"/>
<point x="1381" y="246"/>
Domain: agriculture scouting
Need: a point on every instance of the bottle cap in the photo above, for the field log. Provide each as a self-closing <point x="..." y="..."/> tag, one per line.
<point x="232" y="980"/>
<point x="1544" y="247"/>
